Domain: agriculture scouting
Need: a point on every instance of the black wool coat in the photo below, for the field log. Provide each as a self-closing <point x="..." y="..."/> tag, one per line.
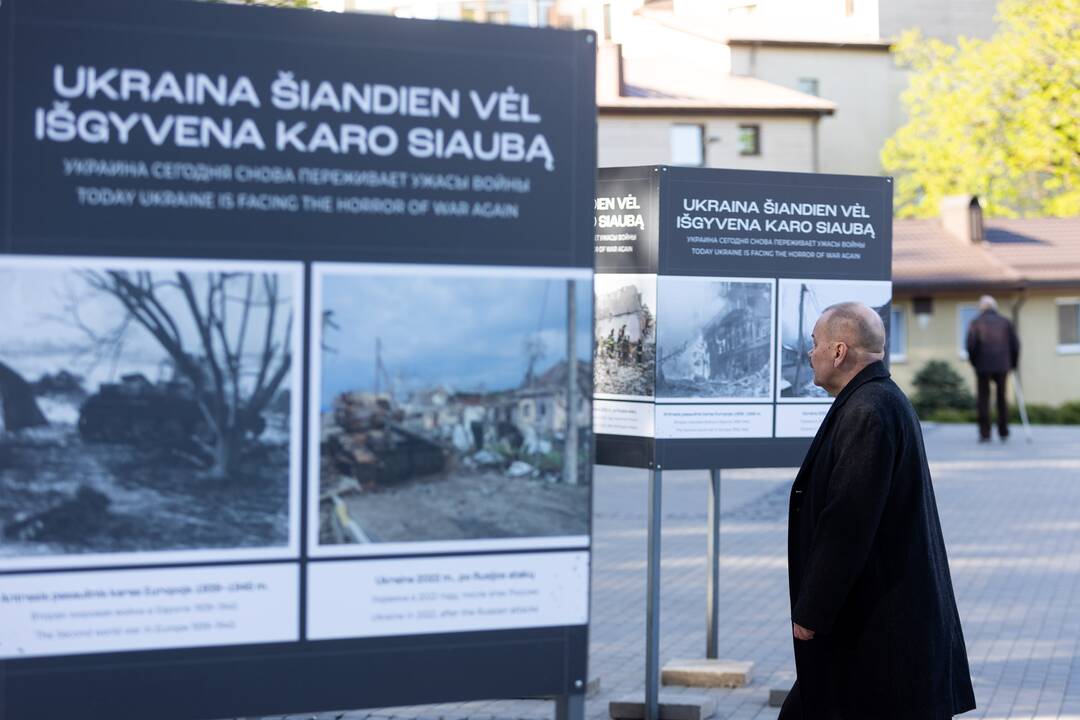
<point x="992" y="344"/>
<point x="867" y="568"/>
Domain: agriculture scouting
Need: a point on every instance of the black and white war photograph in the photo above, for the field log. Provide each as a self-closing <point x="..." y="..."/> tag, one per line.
<point x="147" y="407"/>
<point x="625" y="335"/>
<point x="450" y="405"/>
<point x="801" y="304"/>
<point x="715" y="339"/>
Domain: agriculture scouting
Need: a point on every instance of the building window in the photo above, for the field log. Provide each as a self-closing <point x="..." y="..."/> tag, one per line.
<point x="810" y="86"/>
<point x="849" y="8"/>
<point x="607" y="21"/>
<point x="897" y="335"/>
<point x="688" y="144"/>
<point x="1068" y="321"/>
<point x="749" y="139"/>
<point x="964" y="315"/>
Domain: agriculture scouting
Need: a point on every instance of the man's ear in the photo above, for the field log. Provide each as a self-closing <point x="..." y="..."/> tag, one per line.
<point x="841" y="354"/>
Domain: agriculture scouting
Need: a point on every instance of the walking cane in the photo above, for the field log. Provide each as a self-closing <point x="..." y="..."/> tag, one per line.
<point x="1022" y="404"/>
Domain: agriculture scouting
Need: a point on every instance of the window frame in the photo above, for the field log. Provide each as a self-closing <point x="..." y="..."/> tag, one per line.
<point x="961" y="328"/>
<point x="700" y="128"/>
<point x="756" y="150"/>
<point x="901" y="313"/>
<point x="1065" y="348"/>
<point x="816" y="83"/>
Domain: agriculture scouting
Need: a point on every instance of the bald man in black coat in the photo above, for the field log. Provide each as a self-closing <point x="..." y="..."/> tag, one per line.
<point x="877" y="633"/>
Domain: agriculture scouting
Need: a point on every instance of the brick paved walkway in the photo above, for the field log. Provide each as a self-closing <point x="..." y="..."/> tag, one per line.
<point x="1011" y="517"/>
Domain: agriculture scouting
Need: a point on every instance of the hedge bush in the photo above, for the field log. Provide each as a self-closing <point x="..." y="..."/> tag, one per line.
<point x="940" y="388"/>
<point x="941" y="396"/>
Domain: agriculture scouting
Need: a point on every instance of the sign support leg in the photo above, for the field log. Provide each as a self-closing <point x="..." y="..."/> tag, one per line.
<point x="712" y="620"/>
<point x="570" y="707"/>
<point x="652" y="602"/>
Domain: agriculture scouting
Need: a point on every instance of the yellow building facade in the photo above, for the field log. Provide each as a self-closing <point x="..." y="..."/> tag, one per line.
<point x="942" y="267"/>
<point x="1049" y="369"/>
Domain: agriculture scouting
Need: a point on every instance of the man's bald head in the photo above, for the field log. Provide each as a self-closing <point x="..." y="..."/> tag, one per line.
<point x="858" y="326"/>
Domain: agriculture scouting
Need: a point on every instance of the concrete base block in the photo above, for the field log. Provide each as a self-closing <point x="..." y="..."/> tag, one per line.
<point x="672" y="707"/>
<point x="777" y="697"/>
<point x="707" y="673"/>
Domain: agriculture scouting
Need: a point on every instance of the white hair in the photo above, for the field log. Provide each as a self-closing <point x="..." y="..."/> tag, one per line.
<point x="987" y="302"/>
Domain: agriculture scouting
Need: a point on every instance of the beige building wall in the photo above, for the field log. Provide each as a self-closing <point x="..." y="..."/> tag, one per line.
<point x="787" y="143"/>
<point x="1049" y="375"/>
<point x="935" y="18"/>
<point x="863" y="84"/>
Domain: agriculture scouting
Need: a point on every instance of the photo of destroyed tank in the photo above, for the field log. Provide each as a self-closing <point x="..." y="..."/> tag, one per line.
<point x="450" y="405"/>
<point x="801" y="304"/>
<point x="145" y="407"/>
<point x="715" y="339"/>
<point x="624" y="342"/>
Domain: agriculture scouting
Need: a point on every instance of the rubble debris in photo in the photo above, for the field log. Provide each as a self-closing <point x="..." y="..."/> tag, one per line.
<point x="727" y="357"/>
<point x="444" y="464"/>
<point x="625" y="343"/>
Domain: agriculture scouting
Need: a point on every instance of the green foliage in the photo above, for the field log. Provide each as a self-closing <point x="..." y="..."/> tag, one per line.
<point x="997" y="118"/>
<point x="950" y="415"/>
<point x="1066" y="414"/>
<point x="938" y="387"/>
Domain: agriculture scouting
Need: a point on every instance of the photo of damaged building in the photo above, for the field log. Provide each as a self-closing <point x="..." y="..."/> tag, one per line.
<point x="625" y="335"/>
<point x="484" y="435"/>
<point x="801" y="304"/>
<point x="715" y="339"/>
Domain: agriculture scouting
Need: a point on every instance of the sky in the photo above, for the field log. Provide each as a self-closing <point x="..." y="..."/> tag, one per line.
<point x="466" y="333"/>
<point x="823" y="294"/>
<point x="686" y="306"/>
<point x="39" y="333"/>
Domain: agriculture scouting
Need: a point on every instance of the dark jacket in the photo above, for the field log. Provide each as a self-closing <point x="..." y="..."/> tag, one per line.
<point x="867" y="567"/>
<point x="992" y="345"/>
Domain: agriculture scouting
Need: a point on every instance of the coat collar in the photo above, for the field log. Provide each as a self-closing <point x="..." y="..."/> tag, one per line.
<point x="873" y="371"/>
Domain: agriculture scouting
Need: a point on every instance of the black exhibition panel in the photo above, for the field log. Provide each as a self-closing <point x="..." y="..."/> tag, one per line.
<point x="295" y="410"/>
<point x="708" y="284"/>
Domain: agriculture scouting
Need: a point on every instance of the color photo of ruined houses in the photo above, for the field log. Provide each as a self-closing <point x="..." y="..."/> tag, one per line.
<point x="452" y="406"/>
<point x="715" y="339"/>
<point x="625" y="335"/>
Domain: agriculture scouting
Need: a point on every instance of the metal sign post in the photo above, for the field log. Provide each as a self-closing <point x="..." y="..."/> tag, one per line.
<point x="712" y="620"/>
<point x="652" y="602"/>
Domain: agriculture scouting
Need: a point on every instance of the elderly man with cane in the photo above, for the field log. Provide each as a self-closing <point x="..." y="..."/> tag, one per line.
<point x="993" y="350"/>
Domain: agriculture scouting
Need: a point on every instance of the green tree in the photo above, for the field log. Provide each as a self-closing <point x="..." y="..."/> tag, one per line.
<point x="997" y="118"/>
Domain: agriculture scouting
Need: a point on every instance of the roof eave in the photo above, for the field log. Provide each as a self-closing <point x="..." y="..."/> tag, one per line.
<point x="909" y="286"/>
<point x="879" y="46"/>
<point x="711" y="110"/>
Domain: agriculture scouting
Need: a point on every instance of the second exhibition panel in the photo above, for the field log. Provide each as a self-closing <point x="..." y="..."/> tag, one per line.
<point x="708" y="286"/>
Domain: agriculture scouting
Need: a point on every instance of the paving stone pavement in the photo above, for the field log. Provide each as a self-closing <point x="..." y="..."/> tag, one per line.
<point x="1011" y="518"/>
